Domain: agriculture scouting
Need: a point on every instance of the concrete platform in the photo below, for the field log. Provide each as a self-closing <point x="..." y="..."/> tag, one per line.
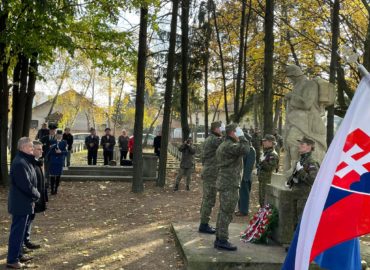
<point x="199" y="253"/>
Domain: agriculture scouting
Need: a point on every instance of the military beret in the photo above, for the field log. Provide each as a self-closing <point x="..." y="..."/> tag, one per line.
<point x="269" y="137"/>
<point x="231" y="127"/>
<point x="215" y="125"/>
<point x="306" y="140"/>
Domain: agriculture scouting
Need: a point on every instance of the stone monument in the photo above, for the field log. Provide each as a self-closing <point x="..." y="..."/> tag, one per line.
<point x="303" y="117"/>
<point x="305" y="108"/>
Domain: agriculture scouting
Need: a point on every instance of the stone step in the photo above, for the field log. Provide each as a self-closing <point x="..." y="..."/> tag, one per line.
<point x="100" y="172"/>
<point x="94" y="178"/>
<point x="99" y="168"/>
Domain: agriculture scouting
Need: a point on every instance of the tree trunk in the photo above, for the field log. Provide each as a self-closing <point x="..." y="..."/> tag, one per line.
<point x="240" y="62"/>
<point x="333" y="67"/>
<point x="222" y="61"/>
<point x="137" y="183"/>
<point x="19" y="101"/>
<point x="185" y="6"/>
<point x="278" y="104"/>
<point x="206" y="69"/>
<point x="367" y="39"/>
<point x="268" y="67"/>
<point x="4" y="100"/>
<point x="32" y="73"/>
<point x="255" y="110"/>
<point x="245" y="55"/>
<point x="161" y="181"/>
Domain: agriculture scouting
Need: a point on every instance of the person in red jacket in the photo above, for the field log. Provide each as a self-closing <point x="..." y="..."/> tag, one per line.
<point x="131" y="147"/>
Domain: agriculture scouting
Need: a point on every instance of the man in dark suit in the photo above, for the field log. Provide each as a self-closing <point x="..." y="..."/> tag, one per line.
<point x="107" y="142"/>
<point x="47" y="141"/>
<point x="92" y="145"/>
<point x="40" y="205"/>
<point x="23" y="194"/>
<point x="68" y="137"/>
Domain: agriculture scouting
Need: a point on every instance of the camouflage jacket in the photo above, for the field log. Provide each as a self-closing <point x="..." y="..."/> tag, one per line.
<point x="307" y="175"/>
<point x="209" y="155"/>
<point x="187" y="158"/>
<point x="269" y="162"/>
<point x="230" y="162"/>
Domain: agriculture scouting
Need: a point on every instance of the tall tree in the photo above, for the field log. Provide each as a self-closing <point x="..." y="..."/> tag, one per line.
<point x="240" y="61"/>
<point x="185" y="8"/>
<point x="137" y="183"/>
<point x="333" y="66"/>
<point x="223" y="71"/>
<point x="4" y="94"/>
<point x="168" y="97"/>
<point x="268" y="68"/>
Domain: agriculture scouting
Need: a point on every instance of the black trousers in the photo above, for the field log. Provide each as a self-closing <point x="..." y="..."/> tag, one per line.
<point x="123" y="155"/>
<point x="108" y="156"/>
<point x="92" y="156"/>
<point x="54" y="183"/>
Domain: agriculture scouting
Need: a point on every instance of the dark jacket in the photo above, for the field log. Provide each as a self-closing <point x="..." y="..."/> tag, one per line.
<point x="123" y="143"/>
<point x="42" y="133"/>
<point x="92" y="143"/>
<point x="111" y="140"/>
<point x="157" y="145"/>
<point x="40" y="205"/>
<point x="56" y="160"/>
<point x="249" y="160"/>
<point x="47" y="141"/>
<point x="69" y="139"/>
<point x="23" y="181"/>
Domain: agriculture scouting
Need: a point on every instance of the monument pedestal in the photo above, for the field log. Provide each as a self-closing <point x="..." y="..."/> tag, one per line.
<point x="285" y="200"/>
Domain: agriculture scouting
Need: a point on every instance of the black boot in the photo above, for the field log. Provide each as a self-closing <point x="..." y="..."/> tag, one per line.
<point x="205" y="228"/>
<point x="225" y="245"/>
<point x="215" y="244"/>
<point x="176" y="188"/>
<point x="187" y="187"/>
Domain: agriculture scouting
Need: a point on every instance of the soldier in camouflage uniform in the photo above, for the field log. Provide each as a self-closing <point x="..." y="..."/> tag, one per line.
<point x="209" y="176"/>
<point x="187" y="163"/>
<point x="304" y="174"/>
<point x="230" y="162"/>
<point x="268" y="163"/>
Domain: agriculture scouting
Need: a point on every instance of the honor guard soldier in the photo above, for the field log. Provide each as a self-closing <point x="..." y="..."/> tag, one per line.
<point x="268" y="163"/>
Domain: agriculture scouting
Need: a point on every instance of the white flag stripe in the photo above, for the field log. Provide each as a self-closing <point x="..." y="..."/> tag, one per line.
<point x="357" y="116"/>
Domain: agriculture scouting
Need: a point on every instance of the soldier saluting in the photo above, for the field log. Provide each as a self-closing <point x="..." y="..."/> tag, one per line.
<point x="268" y="163"/>
<point x="209" y="176"/>
<point x="230" y="163"/>
<point x="304" y="173"/>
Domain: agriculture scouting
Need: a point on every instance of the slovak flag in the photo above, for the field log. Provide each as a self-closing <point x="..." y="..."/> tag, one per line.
<point x="338" y="208"/>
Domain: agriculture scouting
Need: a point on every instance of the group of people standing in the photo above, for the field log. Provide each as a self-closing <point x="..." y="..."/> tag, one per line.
<point x="107" y="142"/>
<point x="228" y="162"/>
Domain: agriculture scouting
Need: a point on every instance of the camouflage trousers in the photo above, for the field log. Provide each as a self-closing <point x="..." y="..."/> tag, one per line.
<point x="208" y="200"/>
<point x="263" y="180"/>
<point x="228" y="201"/>
<point x="184" y="172"/>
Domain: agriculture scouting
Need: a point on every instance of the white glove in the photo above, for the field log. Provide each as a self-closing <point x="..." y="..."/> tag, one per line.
<point x="222" y="128"/>
<point x="298" y="166"/>
<point x="262" y="157"/>
<point x="239" y="132"/>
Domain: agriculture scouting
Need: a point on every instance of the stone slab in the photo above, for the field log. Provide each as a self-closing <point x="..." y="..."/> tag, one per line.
<point x="199" y="253"/>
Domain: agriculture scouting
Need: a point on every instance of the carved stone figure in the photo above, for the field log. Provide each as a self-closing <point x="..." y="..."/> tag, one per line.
<point x="303" y="117"/>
